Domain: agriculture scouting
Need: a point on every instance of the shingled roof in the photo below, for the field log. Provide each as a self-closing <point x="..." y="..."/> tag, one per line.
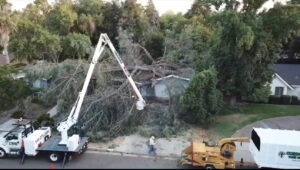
<point x="289" y="72"/>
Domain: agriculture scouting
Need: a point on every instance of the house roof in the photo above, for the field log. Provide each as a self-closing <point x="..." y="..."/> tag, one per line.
<point x="173" y="76"/>
<point x="289" y="73"/>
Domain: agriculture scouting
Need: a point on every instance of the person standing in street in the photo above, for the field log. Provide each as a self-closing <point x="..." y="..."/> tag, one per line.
<point x="151" y="145"/>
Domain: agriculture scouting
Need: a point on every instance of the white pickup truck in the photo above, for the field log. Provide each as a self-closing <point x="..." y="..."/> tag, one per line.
<point x="14" y="131"/>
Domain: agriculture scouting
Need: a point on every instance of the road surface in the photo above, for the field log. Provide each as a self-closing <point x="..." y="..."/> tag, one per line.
<point x="90" y="160"/>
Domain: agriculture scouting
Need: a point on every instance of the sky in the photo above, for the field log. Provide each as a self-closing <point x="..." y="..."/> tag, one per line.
<point x="161" y="5"/>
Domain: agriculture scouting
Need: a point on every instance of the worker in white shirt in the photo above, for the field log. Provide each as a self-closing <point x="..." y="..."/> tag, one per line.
<point x="151" y="145"/>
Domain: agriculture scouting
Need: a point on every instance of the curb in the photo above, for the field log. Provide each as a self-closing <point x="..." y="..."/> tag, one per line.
<point x="112" y="152"/>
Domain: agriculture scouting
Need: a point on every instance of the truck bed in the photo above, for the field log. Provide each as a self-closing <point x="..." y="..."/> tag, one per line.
<point x="53" y="145"/>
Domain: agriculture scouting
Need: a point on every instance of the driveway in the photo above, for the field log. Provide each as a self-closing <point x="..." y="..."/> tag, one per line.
<point x="287" y="123"/>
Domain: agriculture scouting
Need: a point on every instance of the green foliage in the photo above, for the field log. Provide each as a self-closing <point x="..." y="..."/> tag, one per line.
<point x="91" y="18"/>
<point x="295" y="100"/>
<point x="45" y="120"/>
<point x="274" y="99"/>
<point x="285" y="99"/>
<point x="154" y="44"/>
<point x="75" y="46"/>
<point x="31" y="41"/>
<point x="260" y="95"/>
<point x="152" y="14"/>
<point x="171" y="21"/>
<point x="134" y="20"/>
<point x="18" y="114"/>
<point x="11" y="90"/>
<point x="242" y="53"/>
<point x="62" y="18"/>
<point x="202" y="100"/>
<point x="295" y="1"/>
<point x="288" y="17"/>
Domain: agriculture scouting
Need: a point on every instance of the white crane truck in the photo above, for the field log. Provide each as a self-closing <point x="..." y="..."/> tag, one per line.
<point x="59" y="147"/>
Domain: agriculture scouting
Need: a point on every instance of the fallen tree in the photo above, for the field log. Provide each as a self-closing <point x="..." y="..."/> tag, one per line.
<point x="108" y="108"/>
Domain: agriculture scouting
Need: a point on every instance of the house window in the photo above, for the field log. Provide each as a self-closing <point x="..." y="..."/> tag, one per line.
<point x="279" y="91"/>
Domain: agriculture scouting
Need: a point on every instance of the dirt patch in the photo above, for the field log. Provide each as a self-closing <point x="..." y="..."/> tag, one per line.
<point x="116" y="142"/>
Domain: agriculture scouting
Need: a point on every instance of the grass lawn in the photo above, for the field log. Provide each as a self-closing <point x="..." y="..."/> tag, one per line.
<point x="230" y="120"/>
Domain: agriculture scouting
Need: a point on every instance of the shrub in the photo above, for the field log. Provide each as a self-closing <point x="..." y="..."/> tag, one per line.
<point x="11" y="90"/>
<point x="285" y="99"/>
<point x="260" y="95"/>
<point x="46" y="120"/>
<point x="295" y="100"/>
<point x="274" y="99"/>
<point x="17" y="114"/>
<point x="202" y="100"/>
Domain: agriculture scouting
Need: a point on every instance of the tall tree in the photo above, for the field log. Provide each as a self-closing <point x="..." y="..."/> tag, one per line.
<point x="112" y="17"/>
<point x="152" y="14"/>
<point x="10" y="90"/>
<point x="134" y="19"/>
<point x="62" y="18"/>
<point x="5" y="25"/>
<point x="247" y="45"/>
<point x="31" y="41"/>
<point x="90" y="18"/>
<point x="75" y="46"/>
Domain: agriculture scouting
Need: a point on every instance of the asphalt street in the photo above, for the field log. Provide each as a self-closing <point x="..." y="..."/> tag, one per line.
<point x="91" y="160"/>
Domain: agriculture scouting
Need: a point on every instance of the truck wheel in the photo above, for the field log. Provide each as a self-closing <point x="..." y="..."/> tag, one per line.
<point x="209" y="167"/>
<point x="46" y="138"/>
<point x="54" y="157"/>
<point x="2" y="153"/>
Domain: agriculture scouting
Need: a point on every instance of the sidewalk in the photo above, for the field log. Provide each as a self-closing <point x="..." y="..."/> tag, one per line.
<point x="137" y="145"/>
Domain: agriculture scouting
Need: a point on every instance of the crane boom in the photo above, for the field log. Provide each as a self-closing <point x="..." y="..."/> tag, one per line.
<point x="72" y="119"/>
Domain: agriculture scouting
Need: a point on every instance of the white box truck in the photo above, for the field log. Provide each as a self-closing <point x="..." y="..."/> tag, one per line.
<point x="273" y="148"/>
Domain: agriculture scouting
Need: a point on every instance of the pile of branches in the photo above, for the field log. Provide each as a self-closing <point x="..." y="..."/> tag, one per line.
<point x="108" y="109"/>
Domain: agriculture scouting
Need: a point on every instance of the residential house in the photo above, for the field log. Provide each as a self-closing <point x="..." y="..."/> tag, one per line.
<point x="163" y="88"/>
<point x="286" y="80"/>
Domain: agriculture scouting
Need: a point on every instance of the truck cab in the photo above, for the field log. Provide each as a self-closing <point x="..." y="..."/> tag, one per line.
<point x="11" y="134"/>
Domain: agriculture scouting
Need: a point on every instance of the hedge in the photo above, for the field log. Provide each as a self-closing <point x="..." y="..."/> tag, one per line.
<point x="284" y="99"/>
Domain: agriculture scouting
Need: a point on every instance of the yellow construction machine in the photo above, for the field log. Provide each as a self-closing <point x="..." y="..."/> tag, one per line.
<point x="219" y="157"/>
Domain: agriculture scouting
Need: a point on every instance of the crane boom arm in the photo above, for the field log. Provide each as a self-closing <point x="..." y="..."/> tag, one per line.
<point x="72" y="119"/>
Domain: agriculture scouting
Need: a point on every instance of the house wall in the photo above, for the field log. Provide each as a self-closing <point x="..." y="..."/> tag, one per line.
<point x="161" y="91"/>
<point x="278" y="83"/>
<point x="295" y="92"/>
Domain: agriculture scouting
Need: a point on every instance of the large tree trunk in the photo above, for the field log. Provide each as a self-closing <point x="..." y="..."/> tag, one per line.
<point x="4" y="42"/>
<point x="231" y="101"/>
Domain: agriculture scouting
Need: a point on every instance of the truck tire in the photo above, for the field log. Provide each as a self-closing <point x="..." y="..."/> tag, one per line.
<point x="46" y="138"/>
<point x="2" y="153"/>
<point x="55" y="157"/>
<point x="209" y="167"/>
